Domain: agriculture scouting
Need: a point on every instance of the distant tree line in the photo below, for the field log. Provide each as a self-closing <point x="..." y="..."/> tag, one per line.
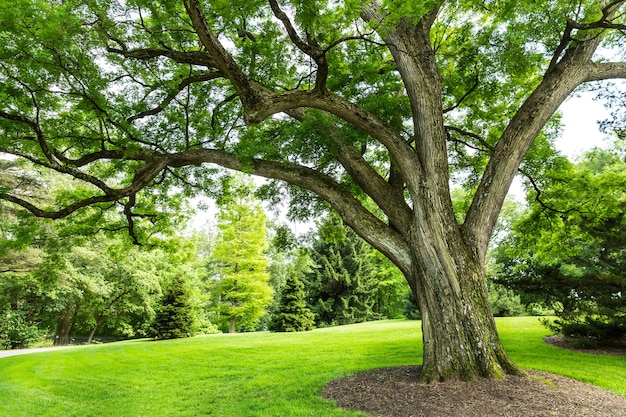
<point x="562" y="254"/>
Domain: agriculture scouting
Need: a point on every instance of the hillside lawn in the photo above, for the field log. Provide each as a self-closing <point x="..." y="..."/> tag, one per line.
<point x="251" y="374"/>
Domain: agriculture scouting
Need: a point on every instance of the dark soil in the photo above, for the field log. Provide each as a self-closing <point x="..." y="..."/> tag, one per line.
<point x="397" y="392"/>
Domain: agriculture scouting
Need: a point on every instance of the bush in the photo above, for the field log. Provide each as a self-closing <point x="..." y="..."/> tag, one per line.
<point x="590" y="332"/>
<point x="15" y="331"/>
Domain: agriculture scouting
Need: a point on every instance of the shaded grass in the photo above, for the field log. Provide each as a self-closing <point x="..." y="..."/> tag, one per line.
<point x="254" y="374"/>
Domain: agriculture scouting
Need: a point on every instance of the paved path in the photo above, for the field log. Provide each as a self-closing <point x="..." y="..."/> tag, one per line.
<point x="15" y="352"/>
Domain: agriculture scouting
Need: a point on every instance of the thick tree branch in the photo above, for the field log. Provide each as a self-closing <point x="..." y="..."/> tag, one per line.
<point x="251" y="95"/>
<point x="605" y="71"/>
<point x="58" y="214"/>
<point x="368" y="226"/>
<point x="382" y="236"/>
<point x="558" y="83"/>
<point x="200" y="58"/>
<point x="144" y="175"/>
<point x="411" y="48"/>
<point x="369" y="180"/>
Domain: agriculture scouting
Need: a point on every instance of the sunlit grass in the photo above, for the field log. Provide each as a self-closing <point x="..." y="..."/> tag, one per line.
<point x="254" y="374"/>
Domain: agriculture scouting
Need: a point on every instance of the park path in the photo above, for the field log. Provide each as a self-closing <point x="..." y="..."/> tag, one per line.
<point x="15" y="352"/>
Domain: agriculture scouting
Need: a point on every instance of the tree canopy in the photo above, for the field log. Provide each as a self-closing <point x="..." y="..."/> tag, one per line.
<point x="367" y="106"/>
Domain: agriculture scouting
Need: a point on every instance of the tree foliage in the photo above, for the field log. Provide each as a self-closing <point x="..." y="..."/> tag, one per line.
<point x="569" y="250"/>
<point x="242" y="292"/>
<point x="293" y="313"/>
<point x="366" y="107"/>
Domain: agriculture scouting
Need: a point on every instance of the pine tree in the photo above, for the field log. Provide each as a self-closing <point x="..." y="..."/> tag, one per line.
<point x="341" y="286"/>
<point x="174" y="317"/>
<point x="293" y="314"/>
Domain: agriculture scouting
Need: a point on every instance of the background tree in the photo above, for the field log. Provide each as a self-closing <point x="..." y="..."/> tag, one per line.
<point x="293" y="314"/>
<point x="341" y="287"/>
<point x="568" y="251"/>
<point x="362" y="105"/>
<point x="242" y="291"/>
<point x="174" y="317"/>
<point x="391" y="287"/>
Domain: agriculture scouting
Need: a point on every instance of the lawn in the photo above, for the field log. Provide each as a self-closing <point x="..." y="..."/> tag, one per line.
<point x="252" y="374"/>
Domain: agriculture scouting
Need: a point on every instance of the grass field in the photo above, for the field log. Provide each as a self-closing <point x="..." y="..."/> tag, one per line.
<point x="253" y="374"/>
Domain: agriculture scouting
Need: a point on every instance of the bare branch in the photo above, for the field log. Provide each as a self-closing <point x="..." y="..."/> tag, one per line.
<point x="487" y="147"/>
<point x="466" y="95"/>
<point x="543" y="204"/>
<point x="128" y="207"/>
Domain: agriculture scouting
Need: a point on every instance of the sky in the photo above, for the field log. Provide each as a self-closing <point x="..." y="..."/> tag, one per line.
<point x="581" y="132"/>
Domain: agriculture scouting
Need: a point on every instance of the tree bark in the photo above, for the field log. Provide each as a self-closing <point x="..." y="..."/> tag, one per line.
<point x="231" y="326"/>
<point x="459" y="333"/>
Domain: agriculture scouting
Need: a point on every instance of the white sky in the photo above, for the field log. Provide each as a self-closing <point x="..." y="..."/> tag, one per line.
<point x="581" y="131"/>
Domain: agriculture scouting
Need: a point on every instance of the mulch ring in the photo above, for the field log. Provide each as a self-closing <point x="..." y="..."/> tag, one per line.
<point x="397" y="392"/>
<point x="558" y="340"/>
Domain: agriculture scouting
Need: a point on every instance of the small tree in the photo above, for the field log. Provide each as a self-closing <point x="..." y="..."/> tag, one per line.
<point x="293" y="314"/>
<point x="174" y="317"/>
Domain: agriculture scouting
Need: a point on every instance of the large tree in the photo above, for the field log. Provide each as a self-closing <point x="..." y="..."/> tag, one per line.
<point x="362" y="104"/>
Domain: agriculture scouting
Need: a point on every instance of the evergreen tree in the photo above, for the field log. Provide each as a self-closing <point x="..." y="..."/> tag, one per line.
<point x="341" y="286"/>
<point x="174" y="317"/>
<point x="242" y="292"/>
<point x="293" y="314"/>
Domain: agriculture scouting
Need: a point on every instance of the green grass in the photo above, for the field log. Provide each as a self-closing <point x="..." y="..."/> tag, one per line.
<point x="254" y="374"/>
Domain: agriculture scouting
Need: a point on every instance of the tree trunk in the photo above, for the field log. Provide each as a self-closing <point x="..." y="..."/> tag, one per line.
<point x="62" y="335"/>
<point x="99" y="321"/>
<point x="459" y="332"/>
<point x="231" y="328"/>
